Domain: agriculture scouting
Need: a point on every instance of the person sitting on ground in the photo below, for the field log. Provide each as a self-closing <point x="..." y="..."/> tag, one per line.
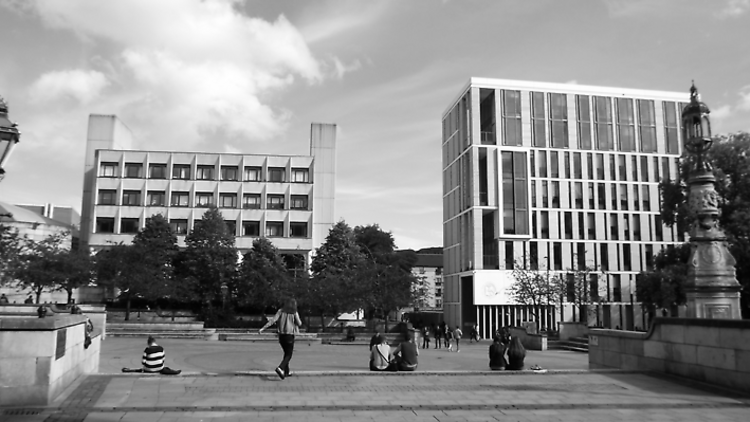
<point x="3" y="299"/>
<point x="350" y="335"/>
<point x="497" y="354"/>
<point x="29" y="300"/>
<point x="375" y="339"/>
<point x="153" y="360"/>
<point x="516" y="354"/>
<point x="381" y="358"/>
<point x="406" y="353"/>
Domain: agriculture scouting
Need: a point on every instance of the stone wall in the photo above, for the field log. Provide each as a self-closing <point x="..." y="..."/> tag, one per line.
<point x="41" y="357"/>
<point x="715" y="351"/>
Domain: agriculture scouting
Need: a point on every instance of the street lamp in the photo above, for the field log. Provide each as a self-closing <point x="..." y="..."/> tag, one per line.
<point x="9" y="136"/>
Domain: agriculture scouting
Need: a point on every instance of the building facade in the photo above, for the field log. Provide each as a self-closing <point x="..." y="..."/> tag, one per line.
<point x="554" y="177"/>
<point x="288" y="199"/>
<point x="428" y="268"/>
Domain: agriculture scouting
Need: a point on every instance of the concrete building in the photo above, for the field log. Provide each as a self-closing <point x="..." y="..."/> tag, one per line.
<point x="287" y="198"/>
<point x="553" y="177"/>
<point x="429" y="268"/>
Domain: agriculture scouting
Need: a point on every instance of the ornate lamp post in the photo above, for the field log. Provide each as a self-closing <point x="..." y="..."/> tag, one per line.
<point x="712" y="289"/>
<point x="9" y="136"/>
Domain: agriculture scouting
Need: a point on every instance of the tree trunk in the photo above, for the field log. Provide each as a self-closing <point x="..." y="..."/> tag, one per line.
<point x="70" y="294"/>
<point x="38" y="295"/>
<point x="127" y="310"/>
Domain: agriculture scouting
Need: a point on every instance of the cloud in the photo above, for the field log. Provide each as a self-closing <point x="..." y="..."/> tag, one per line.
<point x="82" y="85"/>
<point x="721" y="112"/>
<point x="325" y="23"/>
<point x="341" y="68"/>
<point x="744" y="102"/>
<point x="733" y="9"/>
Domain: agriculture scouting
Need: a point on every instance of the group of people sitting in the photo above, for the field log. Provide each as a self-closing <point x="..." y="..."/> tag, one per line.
<point x="402" y="358"/>
<point x="506" y="345"/>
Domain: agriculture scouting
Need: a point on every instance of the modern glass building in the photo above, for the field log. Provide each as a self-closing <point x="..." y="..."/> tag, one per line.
<point x="554" y="177"/>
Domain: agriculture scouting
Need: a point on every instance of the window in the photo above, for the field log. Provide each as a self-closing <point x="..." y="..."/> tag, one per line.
<point x="558" y="120"/>
<point x="511" y="117"/>
<point x="665" y="169"/>
<point x="625" y="124"/>
<point x="275" y="202"/>
<point x="649" y="257"/>
<point x="583" y="111"/>
<point x="181" y="171"/>
<point x="156" y="198"/>
<point x="252" y="174"/>
<point x="298" y="202"/>
<point x="542" y="164"/>
<point x="537" y="120"/>
<point x="623" y="196"/>
<point x="157" y="171"/>
<point x="626" y="258"/>
<point x="545" y="193"/>
<point x="600" y="166"/>
<point x="566" y="164"/>
<point x="658" y="228"/>
<point x="180" y="199"/>
<point x="230" y="173"/>
<point x="636" y="227"/>
<point x="603" y="123"/>
<point x="532" y="159"/>
<point x="621" y="168"/>
<point x="644" y="169"/>
<point x="179" y="227"/>
<point x="646" y="198"/>
<point x="670" y="127"/>
<point x="555" y="194"/>
<point x="231" y="227"/>
<point x="570" y="287"/>
<point x="251" y="228"/>
<point x="568" y="221"/>
<point x="626" y="226"/>
<point x="533" y="193"/>
<point x="533" y="256"/>
<point x="592" y="204"/>
<point x="614" y="229"/>
<point x="107" y="197"/>
<point x="204" y="173"/>
<point x="545" y="224"/>
<point x="300" y="176"/>
<point x="577" y="170"/>
<point x="554" y="165"/>
<point x="204" y="199"/>
<point x="105" y="224"/>
<point x="276" y="174"/>
<point x="251" y="201"/>
<point x="647" y="125"/>
<point x="108" y="170"/>
<point x="228" y="200"/>
<point x="657" y="178"/>
<point x="578" y="192"/>
<point x="593" y="286"/>
<point x="612" y="168"/>
<point x="613" y="198"/>
<point x="581" y="226"/>
<point x="274" y="229"/>
<point x="297" y="229"/>
<point x="131" y="197"/>
<point x="509" y="261"/>
<point x="128" y="225"/>
<point x="636" y="199"/>
<point x="634" y="169"/>
<point x="515" y="202"/>
<point x="557" y="255"/>
<point x="604" y="256"/>
<point x="133" y="170"/>
<point x="601" y="193"/>
<point x="591" y="225"/>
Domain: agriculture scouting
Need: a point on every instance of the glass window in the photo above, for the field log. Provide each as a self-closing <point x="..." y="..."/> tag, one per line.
<point x="542" y="164"/>
<point x="300" y="175"/>
<point x="583" y="112"/>
<point x="626" y="257"/>
<point x="105" y="224"/>
<point x="646" y="198"/>
<point x="636" y="227"/>
<point x="512" y="117"/>
<point x="591" y="225"/>
<point x="251" y="228"/>
<point x="545" y="224"/>
<point x="625" y="124"/>
<point x="274" y="229"/>
<point x="558" y="110"/>
<point x="612" y="168"/>
<point x="590" y="166"/>
<point x="623" y="197"/>
<point x="555" y="194"/>
<point x="591" y="196"/>
<point x="204" y="173"/>
<point x="108" y="170"/>
<point x="133" y="170"/>
<point x="545" y="198"/>
<point x="204" y="199"/>
<point x="657" y="177"/>
<point x="634" y="169"/>
<point x="231" y="227"/>
<point x="554" y="165"/>
<point x="581" y="227"/>
<point x="614" y="228"/>
<point x="670" y="127"/>
<point x="107" y="197"/>
<point x="665" y="169"/>
<point x="298" y="202"/>
<point x="276" y="174"/>
<point x="622" y="168"/>
<point x="636" y="199"/>
<point x="614" y="196"/>
<point x="275" y="202"/>
<point x="228" y="200"/>
<point x="568" y="223"/>
<point x="649" y="257"/>
<point x="131" y="197"/>
<point x="179" y="227"/>
<point x="577" y="170"/>
<point x="251" y="201"/>
<point x="600" y="166"/>
<point x="157" y="171"/>
<point x="532" y="159"/>
<point x="644" y="169"/>
<point x="557" y="255"/>
<point x="252" y="174"/>
<point x="603" y="123"/>
<point x="181" y="171"/>
<point x="297" y="229"/>
<point x="578" y="192"/>
<point x="515" y="195"/>
<point x="537" y="120"/>
<point x="647" y="125"/>
<point x="229" y="173"/>
<point x="658" y="228"/>
<point x="601" y="190"/>
<point x="566" y="164"/>
<point x="180" y="199"/>
<point x="509" y="257"/>
<point x="128" y="225"/>
<point x="156" y="198"/>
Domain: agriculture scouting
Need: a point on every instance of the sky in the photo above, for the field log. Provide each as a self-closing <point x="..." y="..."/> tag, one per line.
<point x="251" y="76"/>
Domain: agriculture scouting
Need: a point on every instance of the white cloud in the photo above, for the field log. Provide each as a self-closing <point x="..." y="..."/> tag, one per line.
<point x="342" y="68"/>
<point x="721" y="112"/>
<point x="324" y="23"/>
<point x="744" y="102"/>
<point x="82" y="85"/>
<point x="733" y="9"/>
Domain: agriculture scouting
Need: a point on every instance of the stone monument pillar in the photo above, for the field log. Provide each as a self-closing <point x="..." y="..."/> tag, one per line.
<point x="711" y="288"/>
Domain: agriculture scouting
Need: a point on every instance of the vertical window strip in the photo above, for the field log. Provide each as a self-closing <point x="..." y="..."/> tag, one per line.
<point x="583" y="114"/>
<point x="511" y="117"/>
<point x="558" y="120"/>
<point x="647" y="125"/>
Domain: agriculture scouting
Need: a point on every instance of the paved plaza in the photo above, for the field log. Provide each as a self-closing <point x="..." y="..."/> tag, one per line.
<point x="225" y="381"/>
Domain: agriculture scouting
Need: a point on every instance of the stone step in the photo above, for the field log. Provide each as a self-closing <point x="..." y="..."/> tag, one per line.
<point x="162" y="334"/>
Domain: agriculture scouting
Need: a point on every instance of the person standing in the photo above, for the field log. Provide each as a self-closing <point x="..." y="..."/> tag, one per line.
<point x="474" y="334"/>
<point x="287" y="322"/>
<point x="425" y="337"/>
<point x="457" y="334"/>
<point x="436" y="334"/>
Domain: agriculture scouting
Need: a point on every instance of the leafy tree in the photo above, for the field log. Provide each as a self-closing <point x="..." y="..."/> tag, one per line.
<point x="209" y="260"/>
<point x="39" y="267"/>
<point x="730" y="159"/>
<point x="157" y="244"/>
<point x="664" y="287"/>
<point x="75" y="270"/>
<point x="583" y="286"/>
<point x="11" y="247"/>
<point x="263" y="279"/>
<point x="533" y="286"/>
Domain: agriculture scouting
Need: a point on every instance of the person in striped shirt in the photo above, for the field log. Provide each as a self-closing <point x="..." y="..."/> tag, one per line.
<point x="153" y="357"/>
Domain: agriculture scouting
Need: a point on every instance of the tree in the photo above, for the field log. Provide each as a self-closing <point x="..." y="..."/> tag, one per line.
<point x="582" y="287"/>
<point x="209" y="260"/>
<point x="263" y="278"/>
<point x="75" y="270"/>
<point x="39" y="266"/>
<point x="11" y="247"/>
<point x="533" y="286"/>
<point x="157" y="244"/>
<point x="664" y="287"/>
<point x="730" y="159"/>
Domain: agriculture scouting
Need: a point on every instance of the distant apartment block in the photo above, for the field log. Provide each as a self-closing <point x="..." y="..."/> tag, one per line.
<point x="429" y="270"/>
<point x="286" y="198"/>
<point x="554" y="177"/>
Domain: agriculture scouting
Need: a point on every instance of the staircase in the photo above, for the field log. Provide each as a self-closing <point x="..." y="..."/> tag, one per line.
<point x="160" y="330"/>
<point x="575" y="344"/>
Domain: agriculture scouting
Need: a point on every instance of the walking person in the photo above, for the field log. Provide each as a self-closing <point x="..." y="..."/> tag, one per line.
<point x="448" y="338"/>
<point x="287" y="325"/>
<point x="457" y="334"/>
<point x="474" y="334"/>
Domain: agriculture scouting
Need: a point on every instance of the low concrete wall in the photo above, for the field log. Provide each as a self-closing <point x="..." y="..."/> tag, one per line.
<point x="569" y="330"/>
<point x="96" y="313"/>
<point x="43" y="356"/>
<point x="529" y="341"/>
<point x="716" y="351"/>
